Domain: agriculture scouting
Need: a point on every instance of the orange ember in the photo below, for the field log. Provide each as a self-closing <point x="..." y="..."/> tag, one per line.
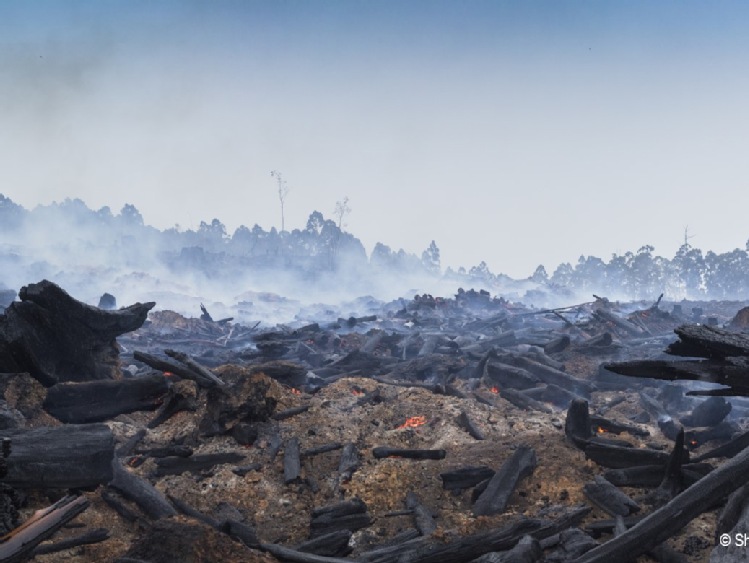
<point x="414" y="422"/>
<point x="495" y="390"/>
<point x="296" y="391"/>
<point x="600" y="430"/>
<point x="357" y="392"/>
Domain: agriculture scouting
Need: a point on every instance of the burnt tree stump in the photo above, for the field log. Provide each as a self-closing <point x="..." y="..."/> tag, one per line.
<point x="56" y="338"/>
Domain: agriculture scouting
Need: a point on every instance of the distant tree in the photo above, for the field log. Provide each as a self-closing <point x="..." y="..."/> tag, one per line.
<point x="283" y="191"/>
<point x="341" y="210"/>
<point x="481" y="271"/>
<point x="315" y="222"/>
<point x="131" y="216"/>
<point x="540" y="275"/>
<point x="430" y="258"/>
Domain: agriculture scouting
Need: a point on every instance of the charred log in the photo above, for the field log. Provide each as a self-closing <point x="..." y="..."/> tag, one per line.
<point x="68" y="457"/>
<point x="194" y="464"/>
<point x="96" y="401"/>
<point x="384" y="451"/>
<point x="497" y="494"/>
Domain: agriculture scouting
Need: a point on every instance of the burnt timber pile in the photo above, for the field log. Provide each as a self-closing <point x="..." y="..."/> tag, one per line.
<point x="428" y="430"/>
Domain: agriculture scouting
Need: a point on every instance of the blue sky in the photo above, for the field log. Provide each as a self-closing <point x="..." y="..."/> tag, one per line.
<point x="513" y="132"/>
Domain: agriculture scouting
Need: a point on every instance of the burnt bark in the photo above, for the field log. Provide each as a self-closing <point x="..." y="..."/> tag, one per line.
<point x="497" y="494"/>
<point x="96" y="401"/>
<point x="67" y="457"/>
<point x="56" y="338"/>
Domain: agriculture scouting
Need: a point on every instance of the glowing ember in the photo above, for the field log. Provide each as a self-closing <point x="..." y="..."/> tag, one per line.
<point x="296" y="391"/>
<point x="168" y="374"/>
<point x="414" y="422"/>
<point x="693" y="442"/>
<point x="357" y="392"/>
<point x="495" y="390"/>
<point x="600" y="430"/>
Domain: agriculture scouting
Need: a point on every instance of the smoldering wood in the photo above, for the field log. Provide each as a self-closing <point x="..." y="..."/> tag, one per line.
<point x="553" y="394"/>
<point x="652" y="475"/>
<point x="608" y="498"/>
<point x="385" y="451"/>
<point x="195" y="366"/>
<point x="617" y="457"/>
<point x="627" y="326"/>
<point x="497" y="494"/>
<point x="141" y="492"/>
<point x="75" y="456"/>
<point x="465" y="477"/>
<point x="423" y="517"/>
<point x="96" y="535"/>
<point x="172" y="367"/>
<point x="577" y="423"/>
<point x="57" y="338"/>
<point x="19" y="544"/>
<point x="523" y="401"/>
<point x="617" y="427"/>
<point x="292" y="466"/>
<point x="557" y="345"/>
<point x="672" y="517"/>
<point x="465" y="422"/>
<point x="723" y="432"/>
<point x="195" y="464"/>
<point x="729" y="449"/>
<point x="96" y="401"/>
<point x="506" y="375"/>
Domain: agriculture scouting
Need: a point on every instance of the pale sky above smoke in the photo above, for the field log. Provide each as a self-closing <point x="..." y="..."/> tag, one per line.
<point x="514" y="132"/>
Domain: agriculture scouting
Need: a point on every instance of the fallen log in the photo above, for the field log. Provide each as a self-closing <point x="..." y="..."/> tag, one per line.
<point x="465" y="422"/>
<point x="608" y="498"/>
<point x="652" y="475"/>
<point x="672" y="517"/>
<point x="465" y="477"/>
<point x="169" y="366"/>
<point x="527" y="550"/>
<point x="19" y="544"/>
<point x="66" y="457"/>
<point x="497" y="494"/>
<point x="195" y="366"/>
<point x="348" y="515"/>
<point x="706" y="341"/>
<point x="194" y="464"/>
<point x="385" y="451"/>
<point x="96" y="401"/>
<point x="92" y="536"/>
<point x="423" y="517"/>
<point x="141" y="492"/>
<point x="523" y="401"/>
<point x="292" y="466"/>
<point x="616" y="457"/>
<point x="333" y="544"/>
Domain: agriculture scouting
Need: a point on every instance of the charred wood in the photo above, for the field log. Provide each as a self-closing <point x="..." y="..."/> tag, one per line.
<point x="552" y="394"/>
<point x="527" y="550"/>
<point x="349" y="515"/>
<point x="325" y="448"/>
<point x="652" y="475"/>
<point x="67" y="457"/>
<point x="57" y="339"/>
<point x="609" y="499"/>
<point x="556" y="345"/>
<point x="195" y="366"/>
<point x="349" y="463"/>
<point x="497" y="494"/>
<point x="549" y="374"/>
<point x="523" y="401"/>
<point x="288" y="554"/>
<point x="423" y="517"/>
<point x="465" y="477"/>
<point x="292" y="466"/>
<point x="182" y="396"/>
<point x="385" y="451"/>
<point x="731" y="514"/>
<point x="96" y="401"/>
<point x="572" y="543"/>
<point x="288" y="413"/>
<point x="18" y="545"/>
<point x="129" y="445"/>
<point x="708" y="342"/>
<point x="577" y="423"/>
<point x="125" y="512"/>
<point x="195" y="463"/>
<point x="243" y="470"/>
<point x="334" y="544"/>
<point x="465" y="422"/>
<point x="730" y="449"/>
<point x="141" y="492"/>
<point x="172" y="367"/>
<point x="92" y="536"/>
<point x="616" y="427"/>
<point x="506" y="375"/>
<point x="616" y="457"/>
<point x="669" y="519"/>
<point x="709" y="412"/>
